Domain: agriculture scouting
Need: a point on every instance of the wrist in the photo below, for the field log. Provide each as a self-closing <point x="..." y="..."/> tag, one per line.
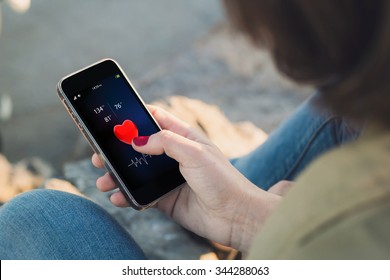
<point x="250" y="218"/>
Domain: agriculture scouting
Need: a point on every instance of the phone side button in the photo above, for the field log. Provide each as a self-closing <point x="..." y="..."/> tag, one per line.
<point x="80" y="126"/>
<point x="66" y="105"/>
<point x="89" y="140"/>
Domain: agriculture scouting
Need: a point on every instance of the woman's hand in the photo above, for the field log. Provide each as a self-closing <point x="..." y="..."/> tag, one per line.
<point x="217" y="202"/>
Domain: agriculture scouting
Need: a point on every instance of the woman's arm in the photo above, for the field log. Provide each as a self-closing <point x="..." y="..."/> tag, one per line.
<point x="218" y="202"/>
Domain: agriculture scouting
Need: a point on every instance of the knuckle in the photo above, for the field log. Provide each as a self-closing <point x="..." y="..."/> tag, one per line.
<point x="200" y="152"/>
<point x="165" y="137"/>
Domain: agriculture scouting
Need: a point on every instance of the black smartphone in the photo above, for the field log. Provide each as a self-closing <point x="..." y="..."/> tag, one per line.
<point x="110" y="113"/>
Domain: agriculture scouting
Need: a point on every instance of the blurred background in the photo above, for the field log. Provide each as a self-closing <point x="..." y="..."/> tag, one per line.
<point x="167" y="48"/>
<point x="43" y="40"/>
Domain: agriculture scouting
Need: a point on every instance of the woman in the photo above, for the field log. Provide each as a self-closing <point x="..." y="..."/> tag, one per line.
<point x="338" y="208"/>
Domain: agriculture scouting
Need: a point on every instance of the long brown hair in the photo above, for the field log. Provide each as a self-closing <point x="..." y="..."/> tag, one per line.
<point x="340" y="46"/>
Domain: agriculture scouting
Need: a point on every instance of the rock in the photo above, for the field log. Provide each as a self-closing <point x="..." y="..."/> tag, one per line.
<point x="233" y="139"/>
<point x="7" y="191"/>
<point x="25" y="175"/>
<point x="209" y="256"/>
<point x="62" y="185"/>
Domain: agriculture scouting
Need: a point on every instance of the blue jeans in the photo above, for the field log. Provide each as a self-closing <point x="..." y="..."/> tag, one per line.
<point x="303" y="137"/>
<point x="45" y="224"/>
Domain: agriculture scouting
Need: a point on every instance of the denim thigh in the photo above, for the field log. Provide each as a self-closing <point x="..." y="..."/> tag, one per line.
<point x="47" y="224"/>
<point x="306" y="134"/>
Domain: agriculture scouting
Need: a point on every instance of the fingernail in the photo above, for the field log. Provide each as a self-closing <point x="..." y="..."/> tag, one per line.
<point x="141" y="140"/>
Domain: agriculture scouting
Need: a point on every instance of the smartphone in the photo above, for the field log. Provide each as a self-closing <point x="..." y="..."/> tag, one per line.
<point x="110" y="113"/>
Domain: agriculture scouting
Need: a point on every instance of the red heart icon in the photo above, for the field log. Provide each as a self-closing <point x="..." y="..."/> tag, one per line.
<point x="126" y="131"/>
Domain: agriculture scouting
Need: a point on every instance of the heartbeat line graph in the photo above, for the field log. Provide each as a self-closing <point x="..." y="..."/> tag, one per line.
<point x="136" y="162"/>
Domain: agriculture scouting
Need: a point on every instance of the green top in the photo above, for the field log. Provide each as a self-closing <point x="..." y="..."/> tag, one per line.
<point x="339" y="207"/>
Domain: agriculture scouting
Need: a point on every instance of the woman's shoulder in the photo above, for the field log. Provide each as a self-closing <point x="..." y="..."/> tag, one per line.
<point x="362" y="163"/>
<point x="328" y="212"/>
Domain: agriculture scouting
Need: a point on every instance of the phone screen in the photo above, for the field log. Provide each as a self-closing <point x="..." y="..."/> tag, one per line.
<point x="113" y="114"/>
